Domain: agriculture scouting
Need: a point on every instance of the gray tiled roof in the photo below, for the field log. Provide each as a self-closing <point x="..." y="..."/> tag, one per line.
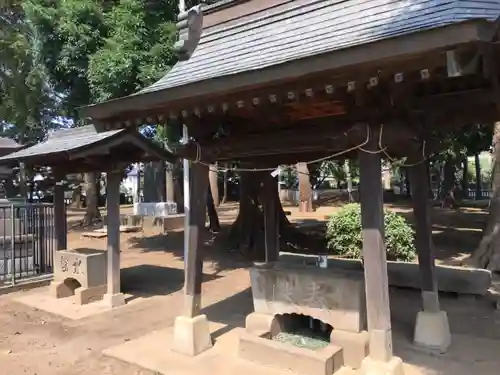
<point x="306" y="28"/>
<point x="64" y="140"/>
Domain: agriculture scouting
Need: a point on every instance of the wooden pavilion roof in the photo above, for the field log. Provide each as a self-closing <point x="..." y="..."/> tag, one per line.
<point x="88" y="149"/>
<point x="298" y="38"/>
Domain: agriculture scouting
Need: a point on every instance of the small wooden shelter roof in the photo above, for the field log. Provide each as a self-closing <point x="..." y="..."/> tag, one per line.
<point x="8" y="144"/>
<point x="301" y="37"/>
<point x="87" y="148"/>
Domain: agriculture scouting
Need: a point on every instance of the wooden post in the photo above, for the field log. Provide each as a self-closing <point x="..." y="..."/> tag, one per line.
<point x="113" y="294"/>
<point x="198" y="189"/>
<point x="374" y="256"/>
<point x="60" y="212"/>
<point x="423" y="238"/>
<point x="432" y="329"/>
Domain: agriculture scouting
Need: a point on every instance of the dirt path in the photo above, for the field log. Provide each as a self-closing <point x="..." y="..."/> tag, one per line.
<point x="33" y="342"/>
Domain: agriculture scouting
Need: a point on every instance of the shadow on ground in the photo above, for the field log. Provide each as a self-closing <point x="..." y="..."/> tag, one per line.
<point x="214" y="249"/>
<point x="148" y="280"/>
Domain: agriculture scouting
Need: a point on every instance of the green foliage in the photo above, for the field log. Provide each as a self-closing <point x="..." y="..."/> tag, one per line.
<point x="137" y="50"/>
<point x="26" y="104"/>
<point x="69" y="32"/>
<point x="344" y="234"/>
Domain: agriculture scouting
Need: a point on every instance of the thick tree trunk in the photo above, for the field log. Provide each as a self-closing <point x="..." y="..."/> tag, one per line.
<point x="92" y="198"/>
<point x="214" y="184"/>
<point x="487" y="254"/>
<point x="479" y="190"/>
<point x="247" y="232"/>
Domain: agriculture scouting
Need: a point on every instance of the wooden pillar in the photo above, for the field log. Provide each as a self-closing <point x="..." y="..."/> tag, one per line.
<point x="423" y="237"/>
<point x="432" y="329"/>
<point x="374" y="254"/>
<point x="271" y="220"/>
<point x="198" y="189"/>
<point x="113" y="294"/>
<point x="60" y="225"/>
<point x="305" y="190"/>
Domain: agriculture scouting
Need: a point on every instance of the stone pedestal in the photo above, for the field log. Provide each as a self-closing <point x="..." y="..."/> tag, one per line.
<point x="114" y="300"/>
<point x="432" y="331"/>
<point x="370" y="366"/>
<point x="191" y="335"/>
<point x="79" y="272"/>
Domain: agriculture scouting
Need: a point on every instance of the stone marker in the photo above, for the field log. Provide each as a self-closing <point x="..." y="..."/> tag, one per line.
<point x="80" y="272"/>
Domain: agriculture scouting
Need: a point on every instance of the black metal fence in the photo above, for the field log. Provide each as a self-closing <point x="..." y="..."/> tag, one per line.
<point x="27" y="241"/>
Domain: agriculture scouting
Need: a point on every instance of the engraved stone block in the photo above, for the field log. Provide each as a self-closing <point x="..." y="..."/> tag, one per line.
<point x="335" y="297"/>
<point x="81" y="272"/>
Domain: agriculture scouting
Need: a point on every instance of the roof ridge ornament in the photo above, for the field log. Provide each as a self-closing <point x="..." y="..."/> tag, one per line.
<point x="190" y="26"/>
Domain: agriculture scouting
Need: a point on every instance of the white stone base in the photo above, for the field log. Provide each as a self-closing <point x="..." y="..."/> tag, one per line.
<point x="370" y="366"/>
<point x="114" y="300"/>
<point x="191" y="335"/>
<point x="155" y="209"/>
<point x="432" y="331"/>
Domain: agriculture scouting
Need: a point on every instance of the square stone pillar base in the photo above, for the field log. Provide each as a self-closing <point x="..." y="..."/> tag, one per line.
<point x="191" y="335"/>
<point x="370" y="366"/>
<point x="432" y="331"/>
<point x="114" y="300"/>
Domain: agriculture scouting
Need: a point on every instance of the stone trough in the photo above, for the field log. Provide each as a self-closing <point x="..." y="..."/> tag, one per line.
<point x="459" y="280"/>
<point x="79" y="272"/>
<point x="334" y="297"/>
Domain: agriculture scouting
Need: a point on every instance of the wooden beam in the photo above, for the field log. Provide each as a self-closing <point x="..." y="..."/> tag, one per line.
<point x="194" y="262"/>
<point x="374" y="255"/>
<point x="323" y="136"/>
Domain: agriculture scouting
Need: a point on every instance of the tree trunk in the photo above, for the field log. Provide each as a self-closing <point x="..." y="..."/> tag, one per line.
<point x="429" y="180"/>
<point x="214" y="185"/>
<point x="407" y="182"/>
<point x="347" y="170"/>
<point x="247" y="232"/>
<point x="305" y="189"/>
<point x="76" y="197"/>
<point x="465" y="181"/>
<point x="449" y="184"/>
<point x="213" y="218"/>
<point x="487" y="254"/>
<point x="479" y="190"/>
<point x="92" y="198"/>
<point x="224" y="197"/>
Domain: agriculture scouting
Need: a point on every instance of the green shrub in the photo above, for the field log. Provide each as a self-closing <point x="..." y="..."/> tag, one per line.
<point x="344" y="235"/>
